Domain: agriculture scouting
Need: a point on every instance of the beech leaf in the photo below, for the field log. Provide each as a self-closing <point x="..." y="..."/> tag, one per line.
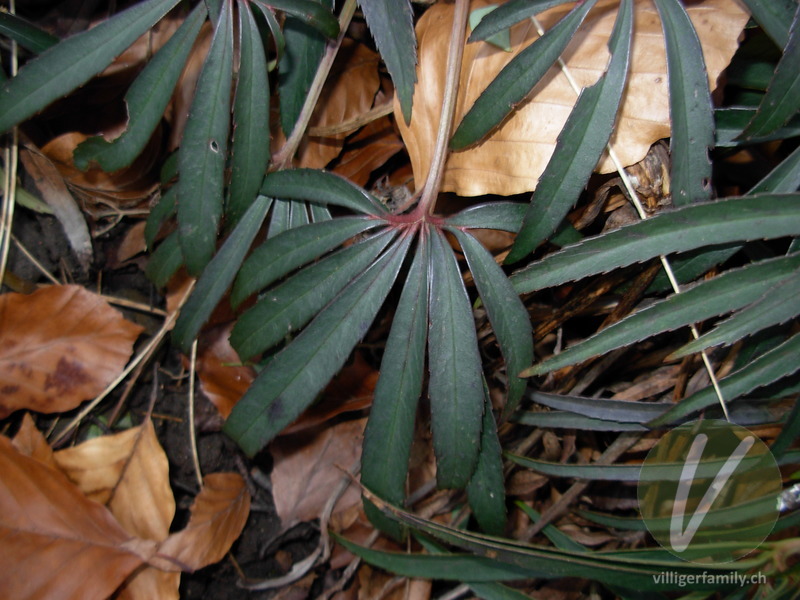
<point x="218" y="515"/>
<point x="514" y="156"/>
<point x="56" y="542"/>
<point x="59" y="346"/>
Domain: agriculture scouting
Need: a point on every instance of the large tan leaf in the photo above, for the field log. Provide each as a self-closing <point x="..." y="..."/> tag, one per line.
<point x="512" y="159"/>
<point x="29" y="441"/>
<point x="59" y="346"/>
<point x="129" y="473"/>
<point x="308" y="468"/>
<point x="55" y="542"/>
<point x="218" y="516"/>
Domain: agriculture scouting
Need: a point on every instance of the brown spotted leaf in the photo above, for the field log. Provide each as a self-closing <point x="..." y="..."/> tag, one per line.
<point x="512" y="158"/>
<point x="54" y="542"/>
<point x="59" y="346"/>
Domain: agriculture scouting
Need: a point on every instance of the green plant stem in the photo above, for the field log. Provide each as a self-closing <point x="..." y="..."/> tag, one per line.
<point x="452" y="75"/>
<point x="283" y="158"/>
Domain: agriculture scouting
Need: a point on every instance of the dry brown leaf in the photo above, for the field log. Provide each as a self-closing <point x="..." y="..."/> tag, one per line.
<point x="54" y="191"/>
<point x="29" y="441"/>
<point x="132" y="244"/>
<point x="54" y="542"/>
<point x="223" y="379"/>
<point x="129" y="473"/>
<point x="368" y="150"/>
<point x="123" y="189"/>
<point x="309" y="467"/>
<point x="349" y="92"/>
<point x="218" y="516"/>
<point x="512" y="159"/>
<point x="59" y="346"/>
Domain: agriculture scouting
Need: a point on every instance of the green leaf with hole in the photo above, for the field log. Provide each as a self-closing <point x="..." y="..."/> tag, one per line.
<point x="290" y="305"/>
<point x="731" y="290"/>
<point x="323" y="187"/>
<point x="165" y="261"/>
<point x="390" y="429"/>
<point x="25" y="33"/>
<point x="309" y="12"/>
<point x="718" y="222"/>
<point x="218" y="275"/>
<point x="782" y="100"/>
<point x="580" y="144"/>
<point x="508" y="14"/>
<point x="690" y="106"/>
<point x="293" y="248"/>
<point x="508" y="316"/>
<point x="250" y="147"/>
<point x="456" y="377"/>
<point x="486" y="490"/>
<point x="146" y="101"/>
<point x="776" y="306"/>
<point x="204" y="148"/>
<point x="763" y="370"/>
<point x="392" y="26"/>
<point x="774" y="16"/>
<point x="72" y="62"/>
<point x="291" y="380"/>
<point x="517" y="79"/>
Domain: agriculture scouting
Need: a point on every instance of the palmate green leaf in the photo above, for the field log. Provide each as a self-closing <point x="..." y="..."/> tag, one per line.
<point x="298" y="214"/>
<point x="217" y="277"/>
<point x="303" y="52"/>
<point x="484" y="590"/>
<point x="507" y="314"/>
<point x="72" y="62"/>
<point x="731" y="122"/>
<point x="319" y="212"/>
<point x="508" y="14"/>
<point x="778" y="305"/>
<point x="774" y="16"/>
<point x="279" y="219"/>
<point x="517" y="79"/>
<point x="580" y="144"/>
<point x="486" y="490"/>
<point x="291" y="380"/>
<point x="729" y="291"/>
<point x="250" y="147"/>
<point x="782" y="100"/>
<point x="707" y="469"/>
<point x="26" y="34"/>
<point x="163" y="210"/>
<point x="514" y="560"/>
<point x="456" y="377"/>
<point x="690" y="106"/>
<point x="601" y="414"/>
<point x="320" y="186"/>
<point x="293" y="303"/>
<point x="204" y="149"/>
<point x="165" y="261"/>
<point x="390" y="429"/>
<point x="312" y="13"/>
<point x="392" y="26"/>
<point x="275" y="30"/>
<point x="146" y="100"/>
<point x="718" y="222"/>
<point x="763" y="370"/>
<point x="285" y="252"/>
<point x="504" y="216"/>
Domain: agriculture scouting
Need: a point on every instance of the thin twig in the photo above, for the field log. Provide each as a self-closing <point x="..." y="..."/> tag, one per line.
<point x="373" y="114"/>
<point x="637" y="203"/>
<point x="35" y="262"/>
<point x="192" y="432"/>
